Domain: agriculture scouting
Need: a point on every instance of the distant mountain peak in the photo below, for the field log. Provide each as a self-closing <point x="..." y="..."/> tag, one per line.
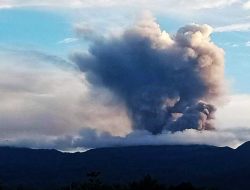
<point x="244" y="146"/>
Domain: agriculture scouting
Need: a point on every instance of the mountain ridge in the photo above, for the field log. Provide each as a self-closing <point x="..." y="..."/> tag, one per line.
<point x="203" y="165"/>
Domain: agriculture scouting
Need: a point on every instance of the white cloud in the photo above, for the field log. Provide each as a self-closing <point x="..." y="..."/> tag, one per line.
<point x="68" y="41"/>
<point x="242" y="27"/>
<point x="89" y="138"/>
<point x="158" y="4"/>
<point x="235" y="45"/>
<point x="4" y="5"/>
<point x="246" y="5"/>
<point x="43" y="98"/>
<point x="119" y="12"/>
<point x="234" y="114"/>
<point x="36" y="3"/>
<point x="205" y="4"/>
<point x="248" y="43"/>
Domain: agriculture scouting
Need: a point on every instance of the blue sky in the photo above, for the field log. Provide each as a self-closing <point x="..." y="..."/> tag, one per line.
<point x="38" y="38"/>
<point x="27" y="28"/>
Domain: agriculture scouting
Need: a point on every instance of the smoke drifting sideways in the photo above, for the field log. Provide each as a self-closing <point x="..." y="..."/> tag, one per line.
<point x="167" y="83"/>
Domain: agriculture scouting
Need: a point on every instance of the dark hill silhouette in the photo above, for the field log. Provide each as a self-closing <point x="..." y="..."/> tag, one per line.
<point x="244" y="147"/>
<point x="202" y="165"/>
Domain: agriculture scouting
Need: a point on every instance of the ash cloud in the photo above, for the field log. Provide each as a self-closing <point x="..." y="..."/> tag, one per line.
<point x="166" y="82"/>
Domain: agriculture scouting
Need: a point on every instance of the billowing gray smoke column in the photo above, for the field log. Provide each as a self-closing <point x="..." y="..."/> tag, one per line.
<point x="166" y="83"/>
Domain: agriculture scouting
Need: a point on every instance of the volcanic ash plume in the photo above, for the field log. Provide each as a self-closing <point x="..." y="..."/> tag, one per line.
<point x="166" y="82"/>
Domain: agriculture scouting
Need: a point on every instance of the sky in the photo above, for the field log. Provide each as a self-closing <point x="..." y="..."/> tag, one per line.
<point x="48" y="102"/>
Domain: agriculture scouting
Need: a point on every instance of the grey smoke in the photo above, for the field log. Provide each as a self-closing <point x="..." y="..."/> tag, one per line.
<point x="166" y="82"/>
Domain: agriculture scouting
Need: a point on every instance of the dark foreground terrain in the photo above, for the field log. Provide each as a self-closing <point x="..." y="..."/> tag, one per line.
<point x="203" y="166"/>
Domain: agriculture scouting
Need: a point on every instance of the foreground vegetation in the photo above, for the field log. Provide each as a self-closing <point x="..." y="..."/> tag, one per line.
<point x="94" y="183"/>
<point x="147" y="183"/>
